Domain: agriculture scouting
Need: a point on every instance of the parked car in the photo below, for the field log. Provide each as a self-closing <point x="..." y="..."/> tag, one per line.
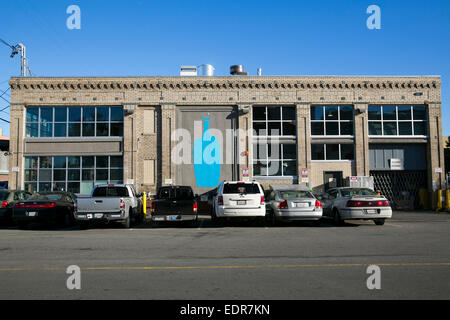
<point x="292" y="202"/>
<point x="48" y="207"/>
<point x="110" y="202"/>
<point x="8" y="199"/>
<point x="174" y="203"/>
<point x="355" y="204"/>
<point x="237" y="199"/>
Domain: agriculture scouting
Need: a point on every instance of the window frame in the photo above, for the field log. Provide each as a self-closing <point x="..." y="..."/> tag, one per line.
<point x="338" y="121"/>
<point x="340" y="152"/>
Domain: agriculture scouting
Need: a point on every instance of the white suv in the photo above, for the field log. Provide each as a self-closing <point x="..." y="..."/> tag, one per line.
<point x="239" y="199"/>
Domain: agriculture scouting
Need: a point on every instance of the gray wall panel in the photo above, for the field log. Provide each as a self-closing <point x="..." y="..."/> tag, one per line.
<point x="413" y="156"/>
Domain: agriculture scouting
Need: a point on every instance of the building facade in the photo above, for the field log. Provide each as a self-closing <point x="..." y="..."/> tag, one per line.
<point x="73" y="133"/>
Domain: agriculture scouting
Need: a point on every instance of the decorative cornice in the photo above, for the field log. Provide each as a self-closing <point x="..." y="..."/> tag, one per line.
<point x="226" y="83"/>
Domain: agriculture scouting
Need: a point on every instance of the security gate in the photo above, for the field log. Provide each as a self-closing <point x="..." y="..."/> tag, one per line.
<point x="400" y="185"/>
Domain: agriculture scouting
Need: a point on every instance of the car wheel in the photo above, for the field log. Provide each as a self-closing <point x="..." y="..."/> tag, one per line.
<point x="337" y="217"/>
<point x="127" y="223"/>
<point x="379" y="222"/>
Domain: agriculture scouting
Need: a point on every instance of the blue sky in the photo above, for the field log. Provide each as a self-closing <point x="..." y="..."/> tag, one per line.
<point x="148" y="38"/>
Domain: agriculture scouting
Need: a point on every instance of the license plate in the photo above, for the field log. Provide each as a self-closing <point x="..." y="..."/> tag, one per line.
<point x="241" y="202"/>
<point x="371" y="211"/>
<point x="32" y="214"/>
<point x="171" y="218"/>
<point x="98" y="215"/>
<point x="301" y="204"/>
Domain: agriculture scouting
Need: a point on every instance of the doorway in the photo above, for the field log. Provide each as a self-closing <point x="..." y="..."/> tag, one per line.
<point x="332" y="179"/>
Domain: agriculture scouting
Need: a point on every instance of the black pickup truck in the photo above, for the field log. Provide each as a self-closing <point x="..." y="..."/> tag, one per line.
<point x="174" y="203"/>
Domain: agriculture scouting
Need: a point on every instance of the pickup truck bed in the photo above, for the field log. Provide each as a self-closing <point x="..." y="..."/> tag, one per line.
<point x="174" y="203"/>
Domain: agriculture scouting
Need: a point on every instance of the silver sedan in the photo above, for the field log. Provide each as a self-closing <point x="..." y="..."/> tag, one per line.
<point x="292" y="202"/>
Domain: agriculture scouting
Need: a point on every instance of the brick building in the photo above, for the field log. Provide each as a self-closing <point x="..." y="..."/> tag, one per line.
<point x="72" y="133"/>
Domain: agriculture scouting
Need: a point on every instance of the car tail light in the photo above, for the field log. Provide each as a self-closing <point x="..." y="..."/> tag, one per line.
<point x="4" y="204"/>
<point x="220" y="200"/>
<point x="122" y="204"/>
<point x="194" y="207"/>
<point x="318" y="204"/>
<point x="377" y="203"/>
<point x="23" y="205"/>
<point x="353" y="203"/>
<point x="262" y="200"/>
<point x="283" y="204"/>
<point x="153" y="206"/>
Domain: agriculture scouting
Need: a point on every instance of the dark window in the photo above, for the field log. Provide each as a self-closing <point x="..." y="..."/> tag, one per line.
<point x="317" y="152"/>
<point x="110" y="192"/>
<point x="249" y="188"/>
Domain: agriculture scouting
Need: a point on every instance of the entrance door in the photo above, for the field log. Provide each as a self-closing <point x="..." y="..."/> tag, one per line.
<point x="332" y="179"/>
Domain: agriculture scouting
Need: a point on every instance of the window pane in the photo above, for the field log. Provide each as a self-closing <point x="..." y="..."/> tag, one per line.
<point x="347" y="128"/>
<point x="101" y="174"/>
<point x="60" y="129"/>
<point x="317" y="113"/>
<point x="405" y="128"/>
<point x="289" y="151"/>
<point x="59" y="175"/>
<point x="419" y="113"/>
<point x="88" y="129"/>
<point x="116" y="174"/>
<point x="346" y="112"/>
<point x="103" y="114"/>
<point x="31" y="187"/>
<point x="374" y="113"/>
<point x="74" y="162"/>
<point x="289" y="168"/>
<point x="88" y="162"/>
<point x="317" y="152"/>
<point x="46" y="186"/>
<point x="389" y="113"/>
<point x="347" y="152"/>
<point x="59" y="186"/>
<point x="274" y="168"/>
<point x="404" y="112"/>
<point x="289" y="113"/>
<point x="332" y="128"/>
<point x="88" y="175"/>
<point x="260" y="168"/>
<point x="30" y="175"/>
<point x="31" y="162"/>
<point x="32" y="130"/>
<point x="332" y="151"/>
<point x="46" y="114"/>
<point x="331" y="113"/>
<point x="289" y="129"/>
<point x="273" y="113"/>
<point x="74" y="114"/>
<point x="60" y="114"/>
<point x="73" y="175"/>
<point x="45" y="175"/>
<point x="59" y="162"/>
<point x="259" y="128"/>
<point x="259" y="150"/>
<point x="116" y="162"/>
<point x="420" y="129"/>
<point x="74" y="130"/>
<point x="274" y="150"/>
<point x="45" y="162"/>
<point x="102" y="162"/>
<point x="259" y="113"/>
<point x="390" y="128"/>
<point x="86" y="187"/>
<point x="116" y="114"/>
<point x="102" y="129"/>
<point x="116" y="129"/>
<point x="73" y="187"/>
<point x="32" y="114"/>
<point x="88" y="114"/>
<point x="46" y="130"/>
<point x="375" y="128"/>
<point x="317" y="128"/>
<point x="274" y="128"/>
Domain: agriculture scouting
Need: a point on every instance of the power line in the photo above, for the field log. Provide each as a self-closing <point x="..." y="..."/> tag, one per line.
<point x="5" y="120"/>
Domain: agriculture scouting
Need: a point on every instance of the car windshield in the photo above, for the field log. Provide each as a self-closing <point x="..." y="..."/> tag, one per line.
<point x="249" y="188"/>
<point x="357" y="192"/>
<point x="295" y="194"/>
<point x="110" y="192"/>
<point x="4" y="195"/>
<point x="47" y="196"/>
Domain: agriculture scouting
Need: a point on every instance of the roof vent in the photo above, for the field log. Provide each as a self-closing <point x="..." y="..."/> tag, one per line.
<point x="188" y="71"/>
<point x="238" y="70"/>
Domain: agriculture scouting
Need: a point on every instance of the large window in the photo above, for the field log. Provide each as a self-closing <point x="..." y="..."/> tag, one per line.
<point x="274" y="121"/>
<point x="332" y="120"/>
<point x="63" y="122"/>
<point x="274" y="141"/>
<point x="397" y="120"/>
<point x="73" y="174"/>
<point x="332" y="152"/>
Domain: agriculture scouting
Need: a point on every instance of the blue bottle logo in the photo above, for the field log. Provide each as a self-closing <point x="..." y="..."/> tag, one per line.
<point x="207" y="158"/>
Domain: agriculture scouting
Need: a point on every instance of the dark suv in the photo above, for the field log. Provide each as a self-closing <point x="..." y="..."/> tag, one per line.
<point x="8" y="198"/>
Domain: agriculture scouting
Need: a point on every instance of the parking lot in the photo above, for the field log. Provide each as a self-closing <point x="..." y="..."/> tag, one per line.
<point x="239" y="260"/>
